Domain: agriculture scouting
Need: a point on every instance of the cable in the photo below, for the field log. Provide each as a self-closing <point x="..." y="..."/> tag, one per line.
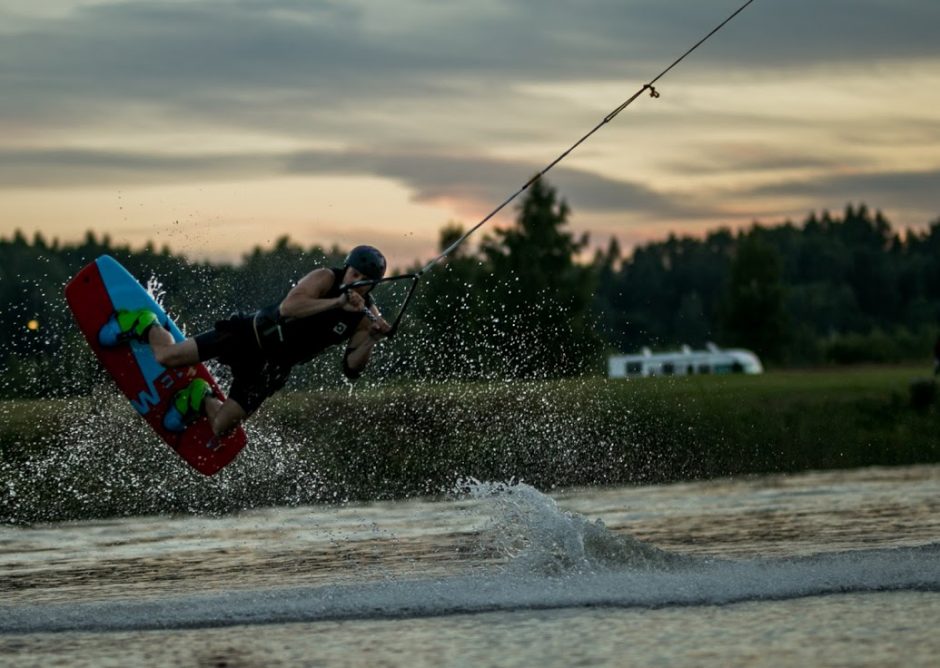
<point x="609" y="117"/>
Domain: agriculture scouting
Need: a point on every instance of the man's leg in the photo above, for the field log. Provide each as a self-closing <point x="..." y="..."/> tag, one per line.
<point x="168" y="352"/>
<point x="171" y="353"/>
<point x="224" y="416"/>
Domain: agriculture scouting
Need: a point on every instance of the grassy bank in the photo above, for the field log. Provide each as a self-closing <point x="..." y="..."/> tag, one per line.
<point x="93" y="456"/>
<point x="594" y="431"/>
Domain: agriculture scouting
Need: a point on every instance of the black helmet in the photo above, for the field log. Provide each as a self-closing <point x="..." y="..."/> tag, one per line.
<point x="367" y="260"/>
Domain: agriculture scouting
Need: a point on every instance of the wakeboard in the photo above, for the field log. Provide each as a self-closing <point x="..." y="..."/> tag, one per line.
<point x="94" y="295"/>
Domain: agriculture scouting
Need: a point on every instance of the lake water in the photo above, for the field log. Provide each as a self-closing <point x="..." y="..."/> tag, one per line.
<point x="832" y="569"/>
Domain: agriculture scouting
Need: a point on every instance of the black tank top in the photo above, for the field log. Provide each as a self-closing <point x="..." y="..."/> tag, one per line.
<point x="299" y="340"/>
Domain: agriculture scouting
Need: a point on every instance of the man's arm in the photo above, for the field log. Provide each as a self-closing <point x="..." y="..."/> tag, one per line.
<point x="306" y="298"/>
<point x="362" y="342"/>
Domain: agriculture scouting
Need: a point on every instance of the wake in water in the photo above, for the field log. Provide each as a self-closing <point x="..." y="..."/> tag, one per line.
<point x="544" y="558"/>
<point x="533" y="535"/>
<point x="715" y="584"/>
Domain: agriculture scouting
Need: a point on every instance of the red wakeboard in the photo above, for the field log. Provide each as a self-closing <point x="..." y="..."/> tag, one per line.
<point x="93" y="295"/>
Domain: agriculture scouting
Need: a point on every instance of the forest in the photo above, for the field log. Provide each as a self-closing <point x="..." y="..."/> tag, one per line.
<point x="530" y="300"/>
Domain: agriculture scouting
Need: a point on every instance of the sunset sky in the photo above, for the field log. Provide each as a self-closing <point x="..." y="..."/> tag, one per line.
<point x="215" y="126"/>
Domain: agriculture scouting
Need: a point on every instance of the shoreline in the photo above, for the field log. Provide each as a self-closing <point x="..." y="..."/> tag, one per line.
<point x="92" y="457"/>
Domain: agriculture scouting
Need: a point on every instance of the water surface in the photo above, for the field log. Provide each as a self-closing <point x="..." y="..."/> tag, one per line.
<point x="834" y="568"/>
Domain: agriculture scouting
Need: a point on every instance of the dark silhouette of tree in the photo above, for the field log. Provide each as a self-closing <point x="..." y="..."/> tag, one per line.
<point x="527" y="302"/>
<point x="542" y="297"/>
<point x="753" y="316"/>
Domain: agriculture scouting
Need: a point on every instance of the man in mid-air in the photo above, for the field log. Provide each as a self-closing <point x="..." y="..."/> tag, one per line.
<point x="261" y="349"/>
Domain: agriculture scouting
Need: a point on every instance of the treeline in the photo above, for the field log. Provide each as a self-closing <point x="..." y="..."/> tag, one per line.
<point x="834" y="289"/>
<point x="526" y="302"/>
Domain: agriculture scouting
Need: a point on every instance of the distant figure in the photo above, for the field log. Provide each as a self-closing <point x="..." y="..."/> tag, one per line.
<point x="936" y="357"/>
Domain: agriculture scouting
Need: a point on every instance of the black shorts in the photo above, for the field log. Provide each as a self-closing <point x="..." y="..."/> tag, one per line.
<point x="254" y="378"/>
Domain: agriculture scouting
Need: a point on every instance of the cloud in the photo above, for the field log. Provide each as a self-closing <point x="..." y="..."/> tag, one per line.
<point x="242" y="60"/>
<point x="71" y="168"/>
<point x="749" y="157"/>
<point x="476" y="180"/>
<point x="448" y="76"/>
<point x="451" y="99"/>
<point x="484" y="181"/>
<point x="908" y="189"/>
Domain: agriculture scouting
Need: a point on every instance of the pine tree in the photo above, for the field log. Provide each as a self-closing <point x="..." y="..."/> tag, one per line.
<point x="542" y="296"/>
<point x="754" y="314"/>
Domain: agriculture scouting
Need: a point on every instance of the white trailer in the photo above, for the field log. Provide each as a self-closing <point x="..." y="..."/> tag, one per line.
<point x="684" y="362"/>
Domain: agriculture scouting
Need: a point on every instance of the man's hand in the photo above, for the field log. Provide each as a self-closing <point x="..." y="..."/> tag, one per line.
<point x="379" y="329"/>
<point x="352" y="301"/>
<point x="370" y="331"/>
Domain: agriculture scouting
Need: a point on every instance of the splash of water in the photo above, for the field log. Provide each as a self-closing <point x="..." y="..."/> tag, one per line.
<point x="99" y="459"/>
<point x="156" y="290"/>
<point x="531" y="534"/>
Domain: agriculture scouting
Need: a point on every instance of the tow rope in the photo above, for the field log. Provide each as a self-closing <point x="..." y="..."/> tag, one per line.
<point x="415" y="277"/>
